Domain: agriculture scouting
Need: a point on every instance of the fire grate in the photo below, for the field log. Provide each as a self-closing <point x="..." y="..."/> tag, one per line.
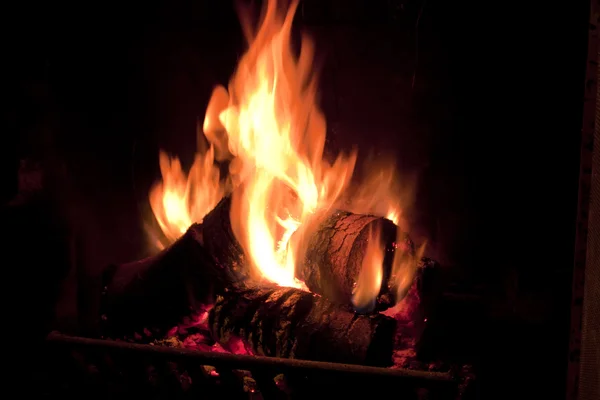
<point x="93" y="368"/>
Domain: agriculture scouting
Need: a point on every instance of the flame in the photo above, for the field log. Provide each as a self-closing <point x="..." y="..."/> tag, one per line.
<point x="268" y="126"/>
<point x="394" y="215"/>
<point x="179" y="200"/>
<point x="369" y="280"/>
<point x="404" y="267"/>
<point x="276" y="136"/>
<point x="380" y="191"/>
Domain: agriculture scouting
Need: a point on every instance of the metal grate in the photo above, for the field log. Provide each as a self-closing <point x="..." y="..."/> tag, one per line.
<point x="92" y="368"/>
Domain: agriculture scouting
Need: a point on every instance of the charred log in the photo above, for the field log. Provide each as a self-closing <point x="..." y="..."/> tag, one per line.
<point x="335" y="254"/>
<point x="291" y="323"/>
<point x="221" y="243"/>
<point x="158" y="291"/>
<point x="414" y="311"/>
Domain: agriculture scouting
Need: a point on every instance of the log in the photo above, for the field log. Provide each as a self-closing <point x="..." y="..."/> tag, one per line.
<point x="220" y="242"/>
<point x="416" y="308"/>
<point x="334" y="252"/>
<point x="291" y="323"/>
<point x="157" y="292"/>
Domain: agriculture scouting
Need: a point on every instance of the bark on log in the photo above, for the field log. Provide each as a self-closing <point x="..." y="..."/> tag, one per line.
<point x="158" y="291"/>
<point x="334" y="253"/>
<point x="220" y="242"/>
<point x="291" y="323"/>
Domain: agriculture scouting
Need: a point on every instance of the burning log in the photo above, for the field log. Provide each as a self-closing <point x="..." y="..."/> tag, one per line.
<point x="158" y="291"/>
<point x="291" y="323"/>
<point x="334" y="255"/>
<point x="413" y="312"/>
<point x="220" y="241"/>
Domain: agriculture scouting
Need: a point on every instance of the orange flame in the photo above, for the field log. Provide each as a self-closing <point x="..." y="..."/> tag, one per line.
<point x="369" y="280"/>
<point x="276" y="134"/>
<point x="179" y="200"/>
<point x="268" y="125"/>
<point x="394" y="215"/>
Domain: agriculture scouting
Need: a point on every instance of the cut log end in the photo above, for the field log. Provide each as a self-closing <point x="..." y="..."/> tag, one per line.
<point x="336" y="251"/>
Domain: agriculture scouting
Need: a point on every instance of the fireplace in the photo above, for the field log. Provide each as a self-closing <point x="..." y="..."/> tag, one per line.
<point x="473" y="276"/>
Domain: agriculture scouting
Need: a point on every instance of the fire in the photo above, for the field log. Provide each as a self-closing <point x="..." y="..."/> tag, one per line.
<point x="404" y="267"/>
<point x="371" y="274"/>
<point x="180" y="200"/>
<point x="276" y="133"/>
<point x="394" y="215"/>
<point x="268" y="126"/>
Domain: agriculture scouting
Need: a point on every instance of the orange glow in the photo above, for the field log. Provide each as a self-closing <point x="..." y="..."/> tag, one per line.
<point x="379" y="192"/>
<point x="404" y="268"/>
<point x="369" y="280"/>
<point x="276" y="135"/>
<point x="394" y="215"/>
<point x="267" y="124"/>
<point x="179" y="200"/>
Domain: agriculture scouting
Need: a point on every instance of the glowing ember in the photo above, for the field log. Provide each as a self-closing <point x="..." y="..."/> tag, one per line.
<point x="268" y="125"/>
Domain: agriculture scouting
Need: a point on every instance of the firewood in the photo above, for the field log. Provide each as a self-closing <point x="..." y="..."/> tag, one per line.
<point x="415" y="309"/>
<point x="158" y="291"/>
<point x="334" y="252"/>
<point x="291" y="323"/>
<point x="220" y="242"/>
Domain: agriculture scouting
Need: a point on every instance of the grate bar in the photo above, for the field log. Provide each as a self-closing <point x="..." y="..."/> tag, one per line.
<point x="303" y="375"/>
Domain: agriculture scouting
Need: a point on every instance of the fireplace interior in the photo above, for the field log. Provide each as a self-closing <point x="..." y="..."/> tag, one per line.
<point x="476" y="109"/>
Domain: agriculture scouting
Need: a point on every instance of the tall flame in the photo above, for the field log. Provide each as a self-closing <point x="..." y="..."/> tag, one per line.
<point x="180" y="200"/>
<point x="276" y="134"/>
<point x="268" y="126"/>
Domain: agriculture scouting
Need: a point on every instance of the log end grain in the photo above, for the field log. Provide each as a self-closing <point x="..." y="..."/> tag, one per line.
<point x="335" y="254"/>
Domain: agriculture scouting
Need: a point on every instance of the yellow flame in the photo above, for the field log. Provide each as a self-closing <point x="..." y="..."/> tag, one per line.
<point x="268" y="126"/>
<point x="179" y="200"/>
<point x="276" y="134"/>
<point x="404" y="267"/>
<point x="369" y="280"/>
<point x="394" y="215"/>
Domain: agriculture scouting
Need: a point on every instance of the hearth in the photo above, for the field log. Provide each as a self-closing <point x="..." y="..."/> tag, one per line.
<point x="328" y="218"/>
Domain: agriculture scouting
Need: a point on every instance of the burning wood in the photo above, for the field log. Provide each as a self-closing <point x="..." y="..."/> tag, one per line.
<point x="275" y="229"/>
<point x="158" y="291"/>
<point x="413" y="312"/>
<point x="220" y="241"/>
<point x="336" y="254"/>
<point x="291" y="323"/>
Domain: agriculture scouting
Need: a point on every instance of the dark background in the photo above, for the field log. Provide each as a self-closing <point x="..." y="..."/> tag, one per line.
<point x="482" y="102"/>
